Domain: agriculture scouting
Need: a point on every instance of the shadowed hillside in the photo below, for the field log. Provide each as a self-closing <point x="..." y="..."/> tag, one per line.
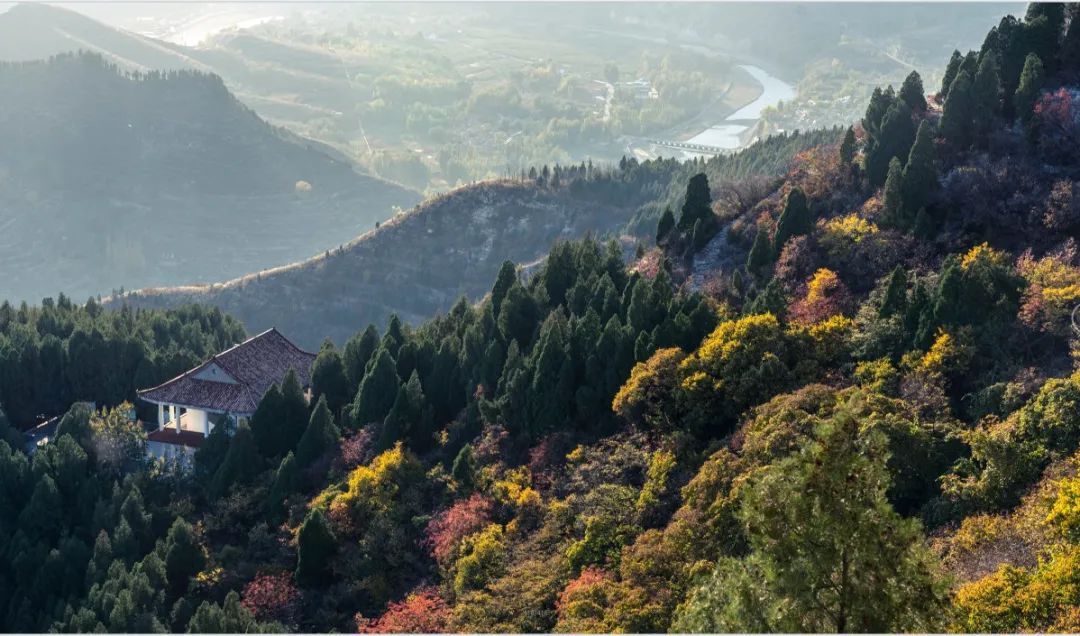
<point x="416" y="265"/>
<point x="159" y="178"/>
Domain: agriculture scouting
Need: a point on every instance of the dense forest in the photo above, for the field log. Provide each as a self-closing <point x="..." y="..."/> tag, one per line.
<point x="841" y="400"/>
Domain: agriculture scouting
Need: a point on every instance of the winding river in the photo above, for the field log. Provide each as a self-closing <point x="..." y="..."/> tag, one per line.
<point x="728" y="133"/>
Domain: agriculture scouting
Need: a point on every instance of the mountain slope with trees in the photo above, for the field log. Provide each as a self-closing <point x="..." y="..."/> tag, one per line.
<point x="866" y="419"/>
<point x="159" y="178"/>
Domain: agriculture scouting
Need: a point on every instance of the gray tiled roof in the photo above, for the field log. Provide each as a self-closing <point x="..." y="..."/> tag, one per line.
<point x="255" y="364"/>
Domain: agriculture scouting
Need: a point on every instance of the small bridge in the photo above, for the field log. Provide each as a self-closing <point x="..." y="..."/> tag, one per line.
<point x="681" y="145"/>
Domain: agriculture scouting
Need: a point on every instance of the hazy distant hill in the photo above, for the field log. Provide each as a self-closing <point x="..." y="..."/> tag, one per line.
<point x="112" y="180"/>
<point x="415" y="265"/>
<point x="38" y="31"/>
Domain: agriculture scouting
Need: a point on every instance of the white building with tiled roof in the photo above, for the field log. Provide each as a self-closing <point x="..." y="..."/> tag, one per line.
<point x="231" y="383"/>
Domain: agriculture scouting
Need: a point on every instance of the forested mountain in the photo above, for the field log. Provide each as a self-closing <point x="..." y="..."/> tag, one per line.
<point x="841" y="400"/>
<point x="452" y="246"/>
<point x="111" y="180"/>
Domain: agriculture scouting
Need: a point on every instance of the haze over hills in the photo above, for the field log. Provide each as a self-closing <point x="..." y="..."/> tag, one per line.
<point x="157" y="179"/>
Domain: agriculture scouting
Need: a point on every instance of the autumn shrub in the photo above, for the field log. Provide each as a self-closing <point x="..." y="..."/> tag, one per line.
<point x="272" y="597"/>
<point x="423" y="611"/>
<point x="446" y="530"/>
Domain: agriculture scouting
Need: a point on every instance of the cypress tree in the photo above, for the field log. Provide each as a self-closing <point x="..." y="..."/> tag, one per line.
<point x="892" y="195"/>
<point x="394" y="336"/>
<point x="183" y="557"/>
<point x="286" y="481"/>
<point x="464" y="469"/>
<point x="294" y="415"/>
<point x="266" y="421"/>
<point x="895" y="139"/>
<point x="956" y="116"/>
<point x="698" y="202"/>
<point x="321" y="435"/>
<point x="760" y="252"/>
<point x="315" y="544"/>
<point x="920" y="176"/>
<point x="794" y="220"/>
<point x="377" y="390"/>
<point x="1027" y="93"/>
<point x="357" y="353"/>
<point x="241" y="463"/>
<point x="664" y="227"/>
<point x="409" y="418"/>
<point x="328" y="378"/>
<point x="912" y="92"/>
<point x="986" y="96"/>
<point x="1070" y="47"/>
<point x="769" y="301"/>
<point x="895" y="297"/>
<point x="951" y="71"/>
<point x="518" y="315"/>
<point x="506" y="278"/>
<point x="847" y="148"/>
<point x="880" y="102"/>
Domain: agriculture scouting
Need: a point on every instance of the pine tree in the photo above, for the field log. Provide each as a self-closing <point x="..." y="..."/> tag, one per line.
<point x="664" y="227"/>
<point x="892" y="195"/>
<point x="760" y="253"/>
<point x="920" y="175"/>
<point x="794" y="221"/>
<point x="880" y="102"/>
<point x="894" y="140"/>
<point x="503" y="282"/>
<point x="315" y="545"/>
<point x="951" y="72"/>
<point x="1070" y="47"/>
<point x="698" y="202"/>
<point x="957" y="114"/>
<point x="464" y="469"/>
<point x="320" y="436"/>
<point x="241" y="463"/>
<point x="394" y="336"/>
<point x="286" y="481"/>
<point x="894" y="300"/>
<point x="518" y="315"/>
<point x="847" y="148"/>
<point x="266" y="421"/>
<point x="293" y="415"/>
<point x="357" y="353"/>
<point x="768" y="301"/>
<point x="328" y="378"/>
<point x="1027" y="93"/>
<point x="377" y="390"/>
<point x="912" y="92"/>
<point x="986" y="95"/>
<point x="827" y="550"/>
<point x="409" y="419"/>
<point x="183" y="557"/>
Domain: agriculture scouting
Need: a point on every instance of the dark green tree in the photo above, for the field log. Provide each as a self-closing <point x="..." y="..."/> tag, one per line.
<point x="328" y="378"/>
<point x="847" y="148"/>
<point x="697" y="204"/>
<point x="827" y="551"/>
<point x="892" y="195"/>
<point x="321" y="435"/>
<point x="503" y="282"/>
<point x="1027" y="93"/>
<point x="183" y="557"/>
<point x="464" y="469"/>
<point x="760" y="252"/>
<point x="315" y="544"/>
<point x="795" y="220"/>
<point x="951" y="72"/>
<point x="665" y="225"/>
<point x="894" y="300"/>
<point x="286" y="482"/>
<point x="266" y="422"/>
<point x="377" y="390"/>
<point x="518" y="315"/>
<point x="912" y="92"/>
<point x="357" y="353"/>
<point x="958" y="112"/>
<point x="920" y="175"/>
<point x="240" y="465"/>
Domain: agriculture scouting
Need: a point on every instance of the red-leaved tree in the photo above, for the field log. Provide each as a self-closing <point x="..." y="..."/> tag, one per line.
<point x="422" y="612"/>
<point x="272" y="597"/>
<point x="449" y="527"/>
